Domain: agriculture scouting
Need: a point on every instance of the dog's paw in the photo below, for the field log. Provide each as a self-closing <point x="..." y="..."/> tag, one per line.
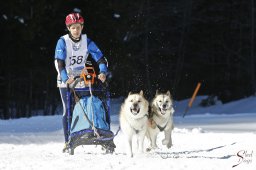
<point x="169" y="145"/>
<point x="151" y="148"/>
<point x="148" y="149"/>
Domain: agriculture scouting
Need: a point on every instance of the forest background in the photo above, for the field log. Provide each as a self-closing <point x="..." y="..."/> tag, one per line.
<point x="149" y="44"/>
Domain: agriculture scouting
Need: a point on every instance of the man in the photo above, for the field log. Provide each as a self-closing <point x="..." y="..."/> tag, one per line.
<point x="71" y="54"/>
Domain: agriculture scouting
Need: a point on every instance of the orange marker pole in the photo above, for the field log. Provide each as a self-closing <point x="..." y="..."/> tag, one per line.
<point x="192" y="98"/>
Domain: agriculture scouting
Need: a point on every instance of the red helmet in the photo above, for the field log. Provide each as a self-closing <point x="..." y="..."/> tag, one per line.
<point x="74" y="18"/>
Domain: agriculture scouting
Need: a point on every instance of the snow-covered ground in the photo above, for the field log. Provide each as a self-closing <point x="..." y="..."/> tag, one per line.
<point x="216" y="137"/>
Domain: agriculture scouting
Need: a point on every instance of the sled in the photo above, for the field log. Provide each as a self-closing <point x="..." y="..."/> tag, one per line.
<point x="88" y="113"/>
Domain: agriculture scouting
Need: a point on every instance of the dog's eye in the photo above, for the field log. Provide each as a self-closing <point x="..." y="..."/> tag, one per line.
<point x="160" y="101"/>
<point x="131" y="100"/>
<point x="139" y="101"/>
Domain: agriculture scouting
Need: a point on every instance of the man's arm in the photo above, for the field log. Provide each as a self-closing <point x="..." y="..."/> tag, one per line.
<point x="97" y="56"/>
<point x="60" y="56"/>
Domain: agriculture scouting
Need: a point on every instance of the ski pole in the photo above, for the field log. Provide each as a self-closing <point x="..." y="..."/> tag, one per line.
<point x="192" y="98"/>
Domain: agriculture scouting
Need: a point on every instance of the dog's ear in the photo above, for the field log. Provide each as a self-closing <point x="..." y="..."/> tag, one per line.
<point x="129" y="93"/>
<point x="157" y="92"/>
<point x="141" y="92"/>
<point x="168" y="93"/>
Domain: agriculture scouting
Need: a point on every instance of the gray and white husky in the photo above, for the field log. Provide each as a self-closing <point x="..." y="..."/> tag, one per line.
<point x="133" y="120"/>
<point x="161" y="119"/>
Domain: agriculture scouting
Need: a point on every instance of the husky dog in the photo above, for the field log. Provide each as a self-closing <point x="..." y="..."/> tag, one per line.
<point x="133" y="120"/>
<point x="161" y="119"/>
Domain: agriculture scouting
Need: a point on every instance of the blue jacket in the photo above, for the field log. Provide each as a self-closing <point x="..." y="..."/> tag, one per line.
<point x="60" y="53"/>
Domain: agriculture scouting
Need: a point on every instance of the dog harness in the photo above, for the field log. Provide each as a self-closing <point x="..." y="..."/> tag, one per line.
<point x="161" y="128"/>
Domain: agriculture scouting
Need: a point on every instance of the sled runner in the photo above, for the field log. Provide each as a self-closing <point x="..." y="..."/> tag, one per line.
<point x="88" y="113"/>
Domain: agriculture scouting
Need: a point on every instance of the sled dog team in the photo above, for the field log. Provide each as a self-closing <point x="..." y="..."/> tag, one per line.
<point x="141" y="119"/>
<point x="136" y="118"/>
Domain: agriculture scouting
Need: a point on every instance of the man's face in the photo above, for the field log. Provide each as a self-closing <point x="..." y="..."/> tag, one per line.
<point x="75" y="30"/>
